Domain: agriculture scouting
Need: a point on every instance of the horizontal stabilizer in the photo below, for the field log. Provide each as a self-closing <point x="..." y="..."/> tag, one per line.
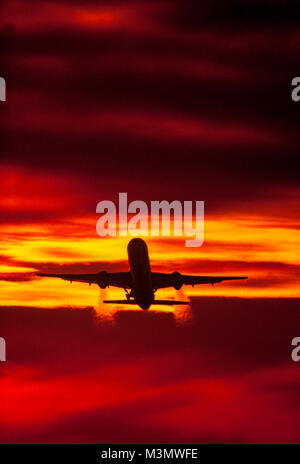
<point x="155" y="302"/>
<point x="129" y="302"/>
<point x="170" y="302"/>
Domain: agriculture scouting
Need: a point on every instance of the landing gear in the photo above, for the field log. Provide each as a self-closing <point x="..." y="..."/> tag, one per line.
<point x="128" y="294"/>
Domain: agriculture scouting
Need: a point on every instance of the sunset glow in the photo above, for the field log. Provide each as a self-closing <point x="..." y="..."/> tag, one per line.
<point x="186" y="101"/>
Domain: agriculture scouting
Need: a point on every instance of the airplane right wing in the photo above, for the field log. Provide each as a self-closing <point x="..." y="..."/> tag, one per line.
<point x="176" y="280"/>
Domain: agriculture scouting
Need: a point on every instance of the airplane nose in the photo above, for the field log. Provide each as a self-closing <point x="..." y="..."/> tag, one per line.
<point x="136" y="243"/>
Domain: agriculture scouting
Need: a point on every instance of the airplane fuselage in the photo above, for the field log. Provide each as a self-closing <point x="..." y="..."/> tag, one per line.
<point x="140" y="271"/>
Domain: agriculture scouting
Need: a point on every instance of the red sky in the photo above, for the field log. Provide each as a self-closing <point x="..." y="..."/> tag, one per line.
<point x="162" y="100"/>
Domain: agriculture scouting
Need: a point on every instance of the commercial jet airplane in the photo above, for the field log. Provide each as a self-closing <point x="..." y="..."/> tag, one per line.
<point x="140" y="283"/>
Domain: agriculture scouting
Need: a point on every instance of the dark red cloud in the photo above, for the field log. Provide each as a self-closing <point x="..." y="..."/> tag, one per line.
<point x="202" y="90"/>
<point x="225" y="377"/>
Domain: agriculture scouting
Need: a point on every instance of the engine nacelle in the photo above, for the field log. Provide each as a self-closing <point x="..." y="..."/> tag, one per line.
<point x="177" y="280"/>
<point x="103" y="279"/>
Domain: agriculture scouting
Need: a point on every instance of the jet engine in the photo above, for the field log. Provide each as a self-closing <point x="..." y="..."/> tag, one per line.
<point x="103" y="279"/>
<point x="177" y="280"/>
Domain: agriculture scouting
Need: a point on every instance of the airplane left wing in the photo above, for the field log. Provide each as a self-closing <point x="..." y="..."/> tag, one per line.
<point x="176" y="280"/>
<point x="103" y="278"/>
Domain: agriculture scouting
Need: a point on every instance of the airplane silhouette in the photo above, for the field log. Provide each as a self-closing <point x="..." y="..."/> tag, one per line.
<point x="140" y="283"/>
